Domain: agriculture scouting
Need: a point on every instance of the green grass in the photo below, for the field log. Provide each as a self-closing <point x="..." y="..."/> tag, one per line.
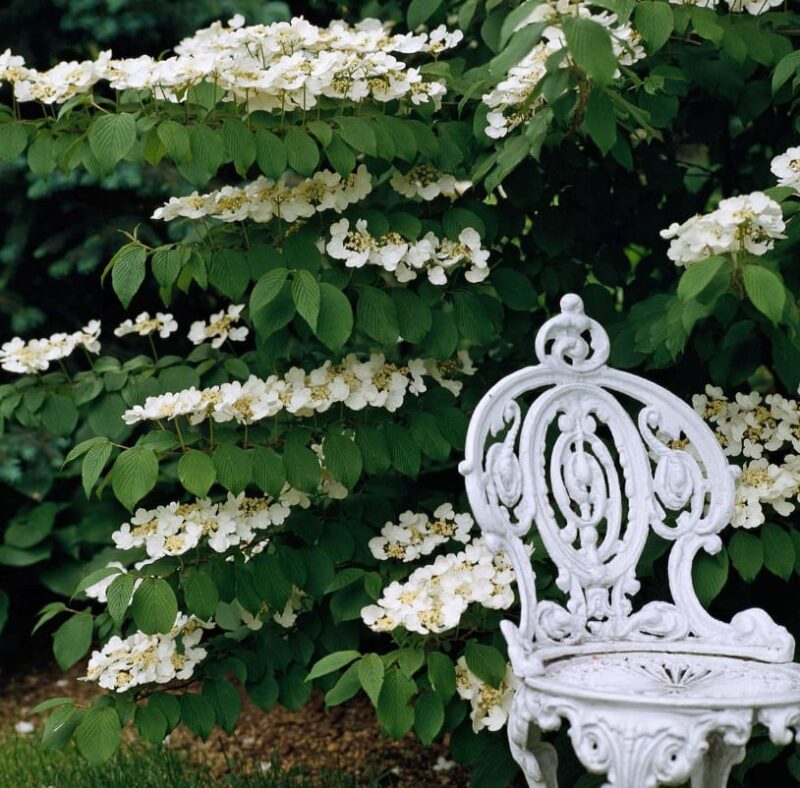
<point x="24" y="764"/>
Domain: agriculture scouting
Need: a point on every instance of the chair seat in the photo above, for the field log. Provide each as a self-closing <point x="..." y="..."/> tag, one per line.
<point x="671" y="679"/>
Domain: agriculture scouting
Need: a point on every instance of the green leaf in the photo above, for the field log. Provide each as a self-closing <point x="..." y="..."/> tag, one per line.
<point x="340" y="155"/>
<point x="486" y="662"/>
<point x="306" y="296"/>
<point x="233" y="466"/>
<point x="48" y="613"/>
<point x="267" y="289"/>
<point x="133" y="475"/>
<point x="196" y="472"/>
<point x="60" y="726"/>
<point x="765" y="289"/>
<point x="175" y="139"/>
<point x="403" y="450"/>
<point x="370" y="674"/>
<point x="709" y="575"/>
<point x="81" y="448"/>
<point x="42" y="155"/>
<point x="197" y="714"/>
<point x="50" y="703"/>
<point x="515" y="289"/>
<point x="342" y="457"/>
<point x="29" y="528"/>
<point x="59" y="415"/>
<point x="746" y="552"/>
<point x="654" y="21"/>
<point x="589" y="43"/>
<point x="201" y="594"/>
<point x="394" y="712"/>
<point x="240" y="144"/>
<point x="442" y="675"/>
<point x="111" y="138"/>
<point x="332" y="662"/>
<point x="345" y="688"/>
<point x="99" y="734"/>
<point x="377" y="316"/>
<point x="302" y="467"/>
<point x="335" y="321"/>
<point x="229" y="273"/>
<point x="779" y="554"/>
<point x="270" y="154"/>
<point x="698" y="276"/>
<point x="150" y="723"/>
<point x="420" y="11"/>
<point x="225" y="701"/>
<point x="95" y="577"/>
<point x="127" y="271"/>
<point x="154" y="607"/>
<point x="428" y="717"/>
<point x="414" y="318"/>
<point x="208" y="150"/>
<point x="118" y="596"/>
<point x="168" y="705"/>
<point x="93" y="464"/>
<point x="72" y="640"/>
<point x="302" y="153"/>
<point x="357" y="134"/>
<point x="268" y="473"/>
<point x="276" y="315"/>
<point x="600" y="121"/>
<point x="265" y="693"/>
<point x="167" y="262"/>
<point x="13" y="139"/>
<point x="786" y="68"/>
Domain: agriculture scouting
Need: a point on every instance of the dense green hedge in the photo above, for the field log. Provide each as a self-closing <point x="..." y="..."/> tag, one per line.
<point x="381" y="241"/>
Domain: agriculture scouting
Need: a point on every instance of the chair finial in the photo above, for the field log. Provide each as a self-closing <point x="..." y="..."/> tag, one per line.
<point x="570" y="349"/>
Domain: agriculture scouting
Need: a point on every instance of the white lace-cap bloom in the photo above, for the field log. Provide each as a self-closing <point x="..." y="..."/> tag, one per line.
<point x="220" y="326"/>
<point x="490" y="706"/>
<point x="163" y="324"/>
<point x="748" y="223"/>
<point x="35" y="355"/>
<point x="786" y="168"/>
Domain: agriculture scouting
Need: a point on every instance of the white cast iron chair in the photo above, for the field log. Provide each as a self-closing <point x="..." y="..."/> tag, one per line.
<point x="655" y="695"/>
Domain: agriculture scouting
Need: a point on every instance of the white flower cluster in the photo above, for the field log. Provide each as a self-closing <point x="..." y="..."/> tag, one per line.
<point x="754" y="7"/>
<point x="124" y="663"/>
<point x="416" y="535"/>
<point x="748" y="223"/>
<point x="435" y="596"/>
<point x="144" y="325"/>
<point x="761" y="430"/>
<point x="176" y="528"/>
<point x="427" y="182"/>
<point x="357" y="384"/>
<point x="490" y="705"/>
<point x="516" y="98"/>
<point x="35" y="355"/>
<point x="220" y="326"/>
<point x="786" y="168"/>
<point x="263" y="199"/>
<point x="438" y="257"/>
<point x="277" y="67"/>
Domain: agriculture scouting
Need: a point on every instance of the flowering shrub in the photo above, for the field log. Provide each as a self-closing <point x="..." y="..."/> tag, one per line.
<point x="356" y="231"/>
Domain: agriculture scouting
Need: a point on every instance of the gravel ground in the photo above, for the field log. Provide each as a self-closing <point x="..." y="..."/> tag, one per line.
<point x="346" y="737"/>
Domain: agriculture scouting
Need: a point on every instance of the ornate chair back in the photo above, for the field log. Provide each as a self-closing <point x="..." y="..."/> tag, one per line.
<point x="592" y="458"/>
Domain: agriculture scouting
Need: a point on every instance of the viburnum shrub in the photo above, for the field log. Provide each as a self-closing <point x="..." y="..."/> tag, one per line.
<point x="360" y="228"/>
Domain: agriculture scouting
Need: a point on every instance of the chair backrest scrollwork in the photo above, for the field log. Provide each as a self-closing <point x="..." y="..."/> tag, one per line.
<point x="593" y="458"/>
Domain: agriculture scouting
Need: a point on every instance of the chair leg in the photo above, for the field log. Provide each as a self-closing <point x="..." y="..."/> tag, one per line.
<point x="537" y="759"/>
<point x="715" y="767"/>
